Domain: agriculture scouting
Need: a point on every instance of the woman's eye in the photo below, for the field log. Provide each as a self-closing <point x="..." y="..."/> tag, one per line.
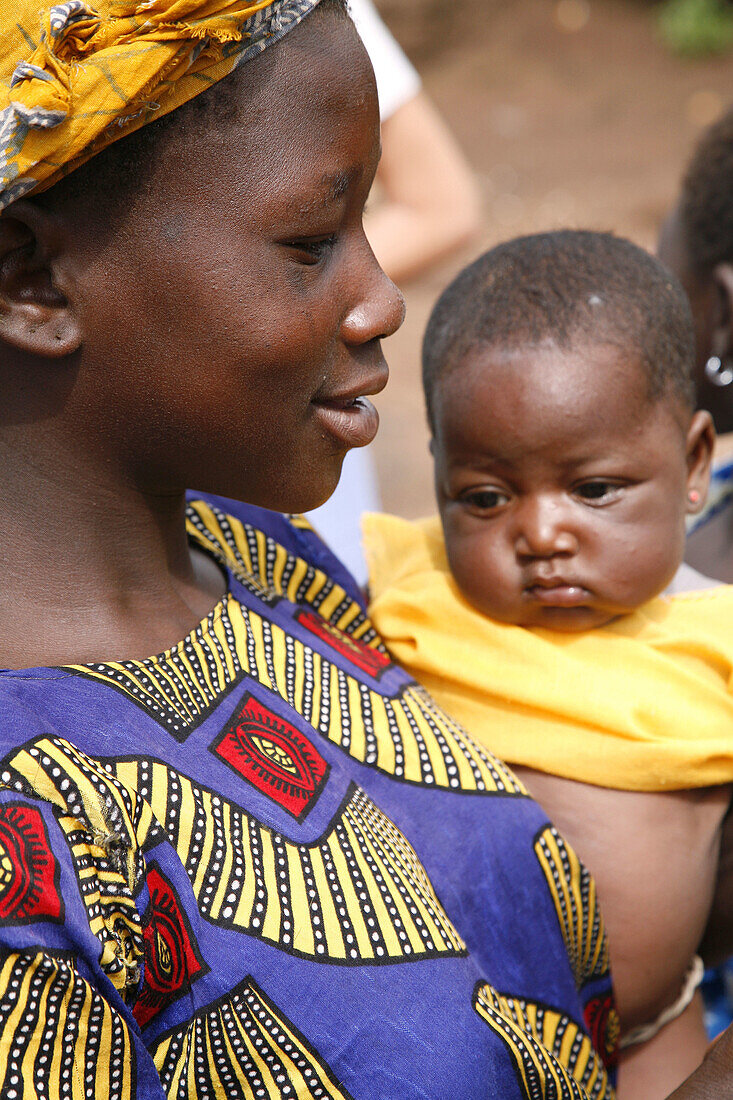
<point x="312" y="250"/>
<point x="484" y="500"/>
<point x="598" y="491"/>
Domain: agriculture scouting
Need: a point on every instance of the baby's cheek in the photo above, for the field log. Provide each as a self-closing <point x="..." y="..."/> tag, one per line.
<point x="480" y="573"/>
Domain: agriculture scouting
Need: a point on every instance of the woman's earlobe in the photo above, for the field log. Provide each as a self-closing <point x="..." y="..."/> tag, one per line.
<point x="36" y="316"/>
<point x="38" y="332"/>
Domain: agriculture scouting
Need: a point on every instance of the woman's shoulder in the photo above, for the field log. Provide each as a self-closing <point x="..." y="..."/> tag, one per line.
<point x="292" y="533"/>
<point x="22" y="718"/>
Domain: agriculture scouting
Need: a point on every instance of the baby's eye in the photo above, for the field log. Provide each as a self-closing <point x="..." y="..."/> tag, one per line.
<point x="484" y="500"/>
<point x="312" y="250"/>
<point x="598" y="491"/>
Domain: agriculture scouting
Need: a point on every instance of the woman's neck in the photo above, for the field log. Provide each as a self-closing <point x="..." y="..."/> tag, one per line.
<point x="93" y="567"/>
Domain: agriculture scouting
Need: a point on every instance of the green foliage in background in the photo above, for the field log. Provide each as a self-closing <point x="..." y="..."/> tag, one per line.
<point x="697" y="27"/>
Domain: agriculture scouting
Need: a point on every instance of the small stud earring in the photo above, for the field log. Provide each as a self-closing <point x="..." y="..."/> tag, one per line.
<point x="716" y="373"/>
<point x="693" y="496"/>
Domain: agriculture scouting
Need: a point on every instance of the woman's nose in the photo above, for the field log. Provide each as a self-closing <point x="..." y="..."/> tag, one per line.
<point x="379" y="312"/>
<point x="544" y="530"/>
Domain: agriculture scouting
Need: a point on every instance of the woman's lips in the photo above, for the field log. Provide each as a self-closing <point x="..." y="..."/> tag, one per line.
<point x="352" y="421"/>
<point x="349" y="415"/>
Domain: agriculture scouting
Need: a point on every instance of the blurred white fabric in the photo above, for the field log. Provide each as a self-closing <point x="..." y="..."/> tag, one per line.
<point x="397" y="79"/>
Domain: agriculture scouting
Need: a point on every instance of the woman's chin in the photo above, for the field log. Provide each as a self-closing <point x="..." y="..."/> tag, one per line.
<point x="305" y="496"/>
<point x="294" y="491"/>
<point x="312" y="501"/>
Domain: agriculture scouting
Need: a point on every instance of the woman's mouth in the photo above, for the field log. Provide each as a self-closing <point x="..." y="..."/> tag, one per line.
<point x="354" y="423"/>
<point x="350" y="417"/>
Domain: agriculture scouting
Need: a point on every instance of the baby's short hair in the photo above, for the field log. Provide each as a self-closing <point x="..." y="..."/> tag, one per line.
<point x="706" y="203"/>
<point x="566" y="286"/>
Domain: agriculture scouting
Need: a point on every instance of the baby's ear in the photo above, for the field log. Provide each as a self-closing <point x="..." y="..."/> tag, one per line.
<point x="700" y="446"/>
<point x="36" y="315"/>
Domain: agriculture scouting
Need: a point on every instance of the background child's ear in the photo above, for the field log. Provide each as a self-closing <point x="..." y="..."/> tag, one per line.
<point x="36" y="316"/>
<point x="721" y="314"/>
<point x="700" y="447"/>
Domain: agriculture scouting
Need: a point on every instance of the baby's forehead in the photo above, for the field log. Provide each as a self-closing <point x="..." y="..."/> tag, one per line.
<point x="517" y="390"/>
<point x="542" y="365"/>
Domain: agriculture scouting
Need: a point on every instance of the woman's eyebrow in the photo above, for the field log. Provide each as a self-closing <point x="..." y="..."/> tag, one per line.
<point x="338" y="184"/>
<point x="329" y="190"/>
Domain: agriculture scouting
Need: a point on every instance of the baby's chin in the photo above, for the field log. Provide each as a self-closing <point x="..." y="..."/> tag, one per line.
<point x="533" y="616"/>
<point x="569" y="620"/>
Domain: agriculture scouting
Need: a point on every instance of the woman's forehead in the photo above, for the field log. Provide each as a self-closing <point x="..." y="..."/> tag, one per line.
<point x="321" y="63"/>
<point x="302" y="114"/>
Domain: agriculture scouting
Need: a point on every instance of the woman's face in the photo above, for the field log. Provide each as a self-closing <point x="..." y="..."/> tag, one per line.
<point x="234" y="322"/>
<point x="708" y="304"/>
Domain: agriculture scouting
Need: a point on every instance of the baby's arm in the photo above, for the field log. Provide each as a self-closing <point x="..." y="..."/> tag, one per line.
<point x="654" y="858"/>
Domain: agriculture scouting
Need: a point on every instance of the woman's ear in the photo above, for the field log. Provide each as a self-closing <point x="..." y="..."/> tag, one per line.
<point x="700" y="447"/>
<point x="36" y="315"/>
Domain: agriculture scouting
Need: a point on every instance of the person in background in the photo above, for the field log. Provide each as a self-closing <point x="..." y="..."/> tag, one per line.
<point x="426" y="205"/>
<point x="696" y="242"/>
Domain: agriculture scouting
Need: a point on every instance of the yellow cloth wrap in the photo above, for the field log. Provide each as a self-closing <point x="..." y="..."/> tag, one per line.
<point x="74" y="78"/>
<point x="644" y="703"/>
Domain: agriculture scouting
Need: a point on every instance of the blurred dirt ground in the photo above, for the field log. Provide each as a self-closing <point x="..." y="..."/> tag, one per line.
<point x="572" y="113"/>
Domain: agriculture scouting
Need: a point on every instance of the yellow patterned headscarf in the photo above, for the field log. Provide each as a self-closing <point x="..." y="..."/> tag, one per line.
<point x="74" y="78"/>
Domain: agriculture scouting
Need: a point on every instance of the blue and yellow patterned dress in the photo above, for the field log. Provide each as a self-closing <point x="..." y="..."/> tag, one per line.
<point x="265" y="865"/>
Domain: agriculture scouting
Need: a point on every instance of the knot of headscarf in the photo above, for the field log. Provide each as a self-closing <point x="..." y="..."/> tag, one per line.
<point x="75" y="78"/>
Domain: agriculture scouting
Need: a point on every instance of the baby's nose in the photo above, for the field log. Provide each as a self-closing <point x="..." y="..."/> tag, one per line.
<point x="543" y="530"/>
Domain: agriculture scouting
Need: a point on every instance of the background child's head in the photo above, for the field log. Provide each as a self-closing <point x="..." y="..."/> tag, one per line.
<point x="558" y="379"/>
<point x="697" y="243"/>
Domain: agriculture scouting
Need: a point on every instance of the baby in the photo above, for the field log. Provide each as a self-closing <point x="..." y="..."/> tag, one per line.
<point x="568" y="454"/>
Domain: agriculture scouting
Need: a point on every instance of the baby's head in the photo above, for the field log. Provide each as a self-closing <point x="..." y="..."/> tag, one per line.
<point x="558" y="378"/>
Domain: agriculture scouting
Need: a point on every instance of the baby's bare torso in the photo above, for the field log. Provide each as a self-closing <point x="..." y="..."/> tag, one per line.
<point x="655" y="859"/>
